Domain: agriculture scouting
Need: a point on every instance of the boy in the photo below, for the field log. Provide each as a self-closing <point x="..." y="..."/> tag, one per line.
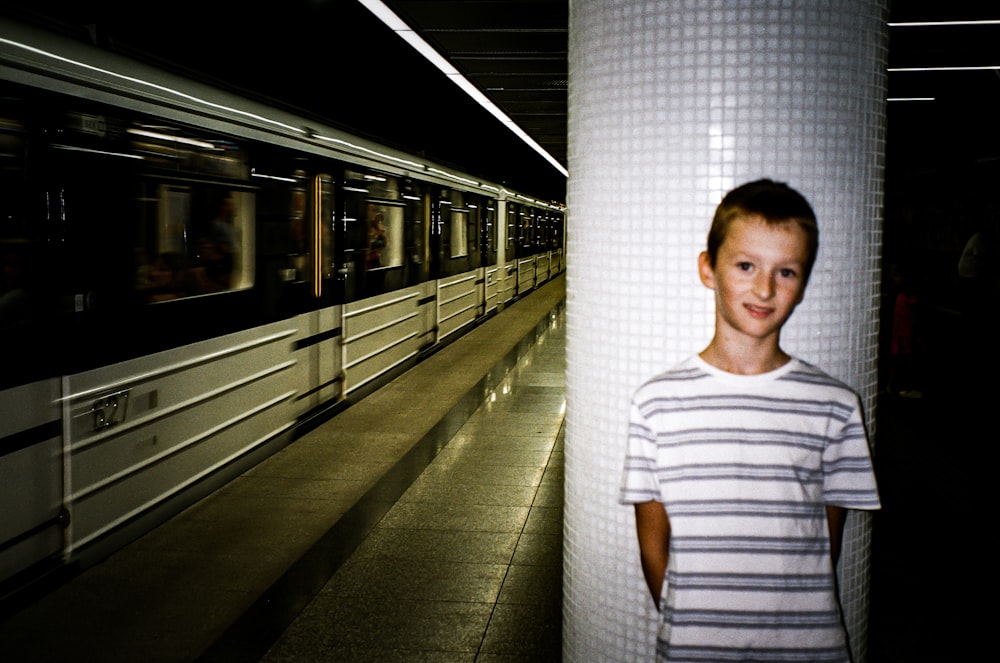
<point x="742" y="459"/>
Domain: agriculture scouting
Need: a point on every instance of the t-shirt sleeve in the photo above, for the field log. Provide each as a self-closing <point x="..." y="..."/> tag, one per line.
<point x="848" y="474"/>
<point x="639" y="483"/>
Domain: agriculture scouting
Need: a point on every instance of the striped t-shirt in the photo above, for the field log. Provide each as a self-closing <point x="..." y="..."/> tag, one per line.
<point x="745" y="466"/>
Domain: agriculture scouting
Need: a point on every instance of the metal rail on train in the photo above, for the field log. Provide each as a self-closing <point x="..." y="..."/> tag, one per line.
<point x="191" y="279"/>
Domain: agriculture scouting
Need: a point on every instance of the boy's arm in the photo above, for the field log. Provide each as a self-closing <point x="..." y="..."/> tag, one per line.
<point x="835" y="517"/>
<point x="653" y="529"/>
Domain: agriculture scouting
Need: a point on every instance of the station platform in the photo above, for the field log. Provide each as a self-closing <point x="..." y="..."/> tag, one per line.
<point x="422" y="523"/>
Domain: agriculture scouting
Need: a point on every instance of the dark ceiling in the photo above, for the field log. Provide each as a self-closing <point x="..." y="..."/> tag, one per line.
<point x="333" y="60"/>
<point x="515" y="51"/>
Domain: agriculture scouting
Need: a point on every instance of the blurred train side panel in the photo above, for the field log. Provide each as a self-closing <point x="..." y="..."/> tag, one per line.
<point x="192" y="280"/>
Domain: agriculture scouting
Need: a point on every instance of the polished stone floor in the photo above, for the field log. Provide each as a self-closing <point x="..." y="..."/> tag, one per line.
<point x="466" y="565"/>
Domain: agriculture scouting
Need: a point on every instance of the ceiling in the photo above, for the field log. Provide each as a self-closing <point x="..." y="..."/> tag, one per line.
<point x="333" y="60"/>
<point x="514" y="50"/>
<point x="959" y="121"/>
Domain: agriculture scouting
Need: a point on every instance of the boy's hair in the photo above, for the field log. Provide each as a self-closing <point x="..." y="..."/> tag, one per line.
<point x="775" y="202"/>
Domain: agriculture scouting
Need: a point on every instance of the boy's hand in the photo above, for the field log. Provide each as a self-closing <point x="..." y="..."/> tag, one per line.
<point x="653" y="529"/>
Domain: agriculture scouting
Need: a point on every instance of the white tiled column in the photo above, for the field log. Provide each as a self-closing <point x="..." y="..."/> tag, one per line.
<point x="672" y="103"/>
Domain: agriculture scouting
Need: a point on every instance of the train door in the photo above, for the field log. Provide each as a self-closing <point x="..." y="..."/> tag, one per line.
<point x="488" y="248"/>
<point x="526" y="249"/>
<point x="296" y="274"/>
<point x="557" y="241"/>
<point x="460" y="295"/>
<point x="508" y="290"/>
<point x="31" y="466"/>
<point x="328" y="382"/>
<point x="542" y="255"/>
<point x="385" y="267"/>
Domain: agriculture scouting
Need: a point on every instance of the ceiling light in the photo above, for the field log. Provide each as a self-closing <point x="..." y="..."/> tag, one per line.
<point x="992" y="67"/>
<point x="938" y="24"/>
<point x="398" y="26"/>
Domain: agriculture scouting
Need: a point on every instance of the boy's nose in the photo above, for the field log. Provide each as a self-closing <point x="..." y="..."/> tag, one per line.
<point x="764" y="286"/>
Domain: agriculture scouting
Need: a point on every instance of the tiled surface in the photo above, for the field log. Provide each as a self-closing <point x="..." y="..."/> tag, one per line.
<point x="669" y="109"/>
<point x="223" y="580"/>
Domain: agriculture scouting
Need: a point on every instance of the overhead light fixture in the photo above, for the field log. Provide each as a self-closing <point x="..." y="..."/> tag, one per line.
<point x="992" y="67"/>
<point x="938" y="24"/>
<point x="405" y="32"/>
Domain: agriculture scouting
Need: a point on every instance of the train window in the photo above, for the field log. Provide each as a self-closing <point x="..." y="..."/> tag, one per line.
<point x="375" y="219"/>
<point x="459" y="223"/>
<point x="459" y="216"/>
<point x="513" y="212"/>
<point x="418" y="228"/>
<point x="458" y="241"/>
<point x="385" y="230"/>
<point x="284" y="232"/>
<point x="15" y="231"/>
<point x="526" y="232"/>
<point x="384" y="242"/>
<point x="555" y="231"/>
<point x="489" y="236"/>
<point x="147" y="210"/>
<point x="325" y="220"/>
<point x="20" y="268"/>
<point x="200" y="242"/>
<point x="531" y="231"/>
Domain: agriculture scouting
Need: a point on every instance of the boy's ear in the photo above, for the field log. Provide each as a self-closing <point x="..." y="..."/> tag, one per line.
<point x="705" y="270"/>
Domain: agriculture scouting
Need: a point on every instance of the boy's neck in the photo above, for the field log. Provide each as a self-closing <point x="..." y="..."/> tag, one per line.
<point x="744" y="359"/>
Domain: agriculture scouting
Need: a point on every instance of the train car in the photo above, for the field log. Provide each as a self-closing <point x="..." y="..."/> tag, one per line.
<point x="192" y="279"/>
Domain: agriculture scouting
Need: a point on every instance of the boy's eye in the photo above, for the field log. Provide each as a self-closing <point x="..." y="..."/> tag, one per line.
<point x="787" y="273"/>
<point x="745" y="266"/>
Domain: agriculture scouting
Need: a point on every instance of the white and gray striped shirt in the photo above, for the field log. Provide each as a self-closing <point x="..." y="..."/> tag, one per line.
<point x="745" y="466"/>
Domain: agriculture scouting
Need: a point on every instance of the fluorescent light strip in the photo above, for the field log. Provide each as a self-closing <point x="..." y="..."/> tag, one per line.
<point x="938" y="24"/>
<point x="910" y="99"/>
<point x="992" y="67"/>
<point x="397" y="25"/>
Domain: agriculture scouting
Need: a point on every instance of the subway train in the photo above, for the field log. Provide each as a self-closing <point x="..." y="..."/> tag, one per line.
<point x="192" y="279"/>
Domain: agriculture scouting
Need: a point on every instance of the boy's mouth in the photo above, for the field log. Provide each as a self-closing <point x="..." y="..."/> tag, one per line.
<point x="759" y="312"/>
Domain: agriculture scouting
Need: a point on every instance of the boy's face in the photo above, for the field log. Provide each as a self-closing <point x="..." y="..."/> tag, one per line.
<point x="758" y="278"/>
